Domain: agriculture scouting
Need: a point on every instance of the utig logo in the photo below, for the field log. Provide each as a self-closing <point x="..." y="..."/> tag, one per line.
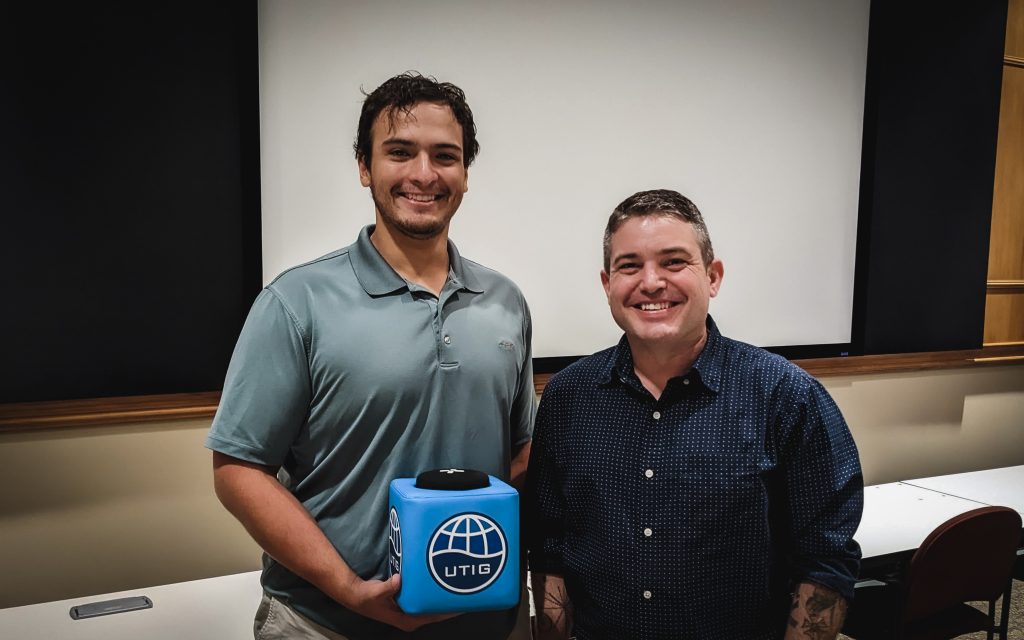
<point x="395" y="544"/>
<point x="467" y="553"/>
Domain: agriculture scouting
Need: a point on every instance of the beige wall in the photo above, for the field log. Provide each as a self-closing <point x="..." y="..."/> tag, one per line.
<point x="911" y="425"/>
<point x="96" y="510"/>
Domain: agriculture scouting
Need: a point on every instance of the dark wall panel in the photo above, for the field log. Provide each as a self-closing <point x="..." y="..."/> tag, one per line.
<point x="931" y="121"/>
<point x="130" y="197"/>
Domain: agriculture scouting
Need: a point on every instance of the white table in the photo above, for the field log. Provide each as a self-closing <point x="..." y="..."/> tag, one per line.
<point x="212" y="609"/>
<point x="898" y="516"/>
<point x="1001" y="487"/>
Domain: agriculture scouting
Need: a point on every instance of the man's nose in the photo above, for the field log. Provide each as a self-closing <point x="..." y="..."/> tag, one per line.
<point x="651" y="279"/>
<point x="423" y="169"/>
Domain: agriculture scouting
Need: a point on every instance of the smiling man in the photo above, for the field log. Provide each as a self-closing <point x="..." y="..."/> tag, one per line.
<point x="682" y="484"/>
<point x="381" y="360"/>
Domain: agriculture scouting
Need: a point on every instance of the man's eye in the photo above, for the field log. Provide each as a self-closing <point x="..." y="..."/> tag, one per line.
<point x="447" y="157"/>
<point x="398" y="153"/>
<point x="628" y="267"/>
<point x="675" y="263"/>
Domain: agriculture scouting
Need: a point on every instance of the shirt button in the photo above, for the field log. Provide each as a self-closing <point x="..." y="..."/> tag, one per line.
<point x="648" y="532"/>
<point x="649" y="473"/>
<point x="648" y="595"/>
<point x="657" y="415"/>
<point x="447" y="339"/>
<point x="686" y="381"/>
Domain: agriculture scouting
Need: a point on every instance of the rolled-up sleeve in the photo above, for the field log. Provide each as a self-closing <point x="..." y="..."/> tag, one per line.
<point x="824" y="490"/>
<point x="543" y="499"/>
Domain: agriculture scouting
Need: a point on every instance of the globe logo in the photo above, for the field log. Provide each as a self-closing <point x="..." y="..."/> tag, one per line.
<point x="395" y="544"/>
<point x="467" y="553"/>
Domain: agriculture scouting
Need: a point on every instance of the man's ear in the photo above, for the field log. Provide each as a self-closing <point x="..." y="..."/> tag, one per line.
<point x="716" y="270"/>
<point x="364" y="173"/>
<point x="605" y="282"/>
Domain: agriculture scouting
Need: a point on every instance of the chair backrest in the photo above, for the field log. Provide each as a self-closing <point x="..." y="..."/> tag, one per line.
<point x="968" y="557"/>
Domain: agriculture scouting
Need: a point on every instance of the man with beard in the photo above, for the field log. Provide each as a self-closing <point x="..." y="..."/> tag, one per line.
<point x="386" y="358"/>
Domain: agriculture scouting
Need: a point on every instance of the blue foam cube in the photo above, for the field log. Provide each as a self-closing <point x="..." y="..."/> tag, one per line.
<point x="457" y="550"/>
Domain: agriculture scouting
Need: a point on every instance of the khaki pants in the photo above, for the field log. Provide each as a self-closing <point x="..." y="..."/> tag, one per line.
<point x="277" y="621"/>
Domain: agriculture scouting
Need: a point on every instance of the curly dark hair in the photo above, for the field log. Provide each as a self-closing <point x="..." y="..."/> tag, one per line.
<point x="403" y="92"/>
<point x="658" y="202"/>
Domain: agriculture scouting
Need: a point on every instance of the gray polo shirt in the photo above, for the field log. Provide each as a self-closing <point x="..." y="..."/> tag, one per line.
<point x="347" y="377"/>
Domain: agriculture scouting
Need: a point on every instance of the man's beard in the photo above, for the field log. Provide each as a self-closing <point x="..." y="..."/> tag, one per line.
<point x="428" y="227"/>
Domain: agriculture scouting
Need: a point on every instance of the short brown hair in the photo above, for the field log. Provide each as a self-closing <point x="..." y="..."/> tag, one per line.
<point x="658" y="202"/>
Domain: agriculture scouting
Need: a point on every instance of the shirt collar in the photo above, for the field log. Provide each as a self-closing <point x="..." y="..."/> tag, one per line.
<point x="707" y="366"/>
<point x="711" y="360"/>
<point x="377" y="277"/>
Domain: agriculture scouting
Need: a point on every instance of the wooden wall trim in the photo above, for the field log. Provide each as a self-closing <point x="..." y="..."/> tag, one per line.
<point x="1005" y="285"/>
<point x="96" y="412"/>
<point x="909" y="362"/>
<point x="32" y="416"/>
<point x="1013" y="61"/>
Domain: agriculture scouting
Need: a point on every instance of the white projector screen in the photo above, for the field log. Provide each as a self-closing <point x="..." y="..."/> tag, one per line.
<point x="753" y="109"/>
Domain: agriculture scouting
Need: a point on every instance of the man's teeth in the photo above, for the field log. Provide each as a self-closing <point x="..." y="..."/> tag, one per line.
<point x="654" y="306"/>
<point x="420" y="197"/>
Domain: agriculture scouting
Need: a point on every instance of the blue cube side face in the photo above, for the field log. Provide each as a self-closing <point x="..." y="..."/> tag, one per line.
<point x="405" y="541"/>
<point x="394" y="541"/>
<point x="457" y="554"/>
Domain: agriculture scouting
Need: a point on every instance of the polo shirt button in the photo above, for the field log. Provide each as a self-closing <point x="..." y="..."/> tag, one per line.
<point x="657" y="415"/>
<point x="649" y="473"/>
<point x="447" y="339"/>
<point x="648" y="595"/>
<point x="648" y="532"/>
<point x="686" y="381"/>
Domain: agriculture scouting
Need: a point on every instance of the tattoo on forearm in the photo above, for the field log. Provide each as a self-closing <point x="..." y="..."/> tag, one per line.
<point x="822" y="614"/>
<point x="556" y="610"/>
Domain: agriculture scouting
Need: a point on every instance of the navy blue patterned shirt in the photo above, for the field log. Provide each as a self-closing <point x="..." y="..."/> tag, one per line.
<point x="693" y="515"/>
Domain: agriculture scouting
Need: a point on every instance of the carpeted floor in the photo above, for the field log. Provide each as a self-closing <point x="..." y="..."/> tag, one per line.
<point x="1016" y="630"/>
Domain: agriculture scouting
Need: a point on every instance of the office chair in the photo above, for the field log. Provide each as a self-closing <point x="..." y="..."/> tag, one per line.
<point x="969" y="557"/>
